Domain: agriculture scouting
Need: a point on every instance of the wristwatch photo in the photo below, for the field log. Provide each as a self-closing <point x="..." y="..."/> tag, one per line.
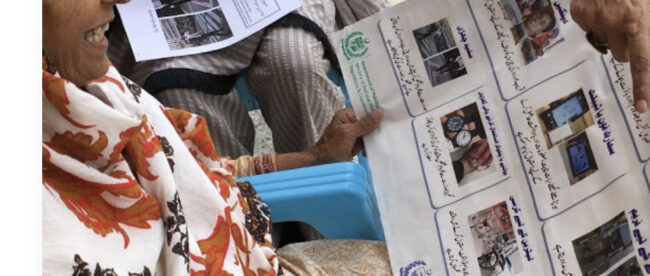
<point x="463" y="138"/>
<point x="455" y="123"/>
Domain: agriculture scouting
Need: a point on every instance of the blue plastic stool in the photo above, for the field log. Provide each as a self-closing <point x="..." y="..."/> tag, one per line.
<point x="336" y="199"/>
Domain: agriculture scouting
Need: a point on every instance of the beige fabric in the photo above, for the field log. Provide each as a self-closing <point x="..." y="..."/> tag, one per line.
<point x="335" y="257"/>
<point x="350" y="11"/>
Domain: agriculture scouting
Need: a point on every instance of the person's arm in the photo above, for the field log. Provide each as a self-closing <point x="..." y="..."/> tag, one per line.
<point x="340" y="142"/>
<point x="624" y="27"/>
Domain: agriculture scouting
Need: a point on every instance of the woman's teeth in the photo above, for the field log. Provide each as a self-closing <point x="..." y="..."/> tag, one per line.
<point x="96" y="34"/>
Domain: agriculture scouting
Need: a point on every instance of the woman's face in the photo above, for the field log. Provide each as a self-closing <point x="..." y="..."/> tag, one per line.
<point x="73" y="37"/>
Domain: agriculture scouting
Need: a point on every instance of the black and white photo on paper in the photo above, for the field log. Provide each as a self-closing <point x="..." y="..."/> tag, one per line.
<point x="439" y="52"/>
<point x="603" y="247"/>
<point x="195" y="30"/>
<point x="630" y="267"/>
<point x="166" y="8"/>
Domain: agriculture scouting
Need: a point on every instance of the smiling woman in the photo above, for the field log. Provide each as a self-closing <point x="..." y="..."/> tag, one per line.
<point x="73" y="37"/>
<point x="133" y="188"/>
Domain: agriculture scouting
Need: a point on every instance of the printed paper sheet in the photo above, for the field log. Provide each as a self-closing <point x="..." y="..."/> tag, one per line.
<point x="186" y="27"/>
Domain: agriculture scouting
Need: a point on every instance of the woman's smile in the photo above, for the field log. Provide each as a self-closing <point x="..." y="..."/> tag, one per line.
<point x="96" y="35"/>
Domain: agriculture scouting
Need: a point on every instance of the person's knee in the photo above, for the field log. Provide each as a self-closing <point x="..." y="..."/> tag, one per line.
<point x="297" y="53"/>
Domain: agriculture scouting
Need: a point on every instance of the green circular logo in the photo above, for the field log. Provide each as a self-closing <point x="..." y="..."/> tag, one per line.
<point x="355" y="45"/>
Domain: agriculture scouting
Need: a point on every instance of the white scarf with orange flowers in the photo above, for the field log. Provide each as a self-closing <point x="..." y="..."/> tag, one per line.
<point x="133" y="188"/>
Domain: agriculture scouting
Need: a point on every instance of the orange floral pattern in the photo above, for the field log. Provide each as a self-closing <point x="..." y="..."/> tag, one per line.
<point x="84" y="199"/>
<point x="199" y="135"/>
<point x="142" y="144"/>
<point x="180" y="119"/>
<point x="113" y="175"/>
<point x="79" y="145"/>
<point x="215" y="248"/>
<point x="55" y="93"/>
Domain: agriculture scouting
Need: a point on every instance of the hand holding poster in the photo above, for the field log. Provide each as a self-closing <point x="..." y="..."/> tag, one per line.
<point x="504" y="148"/>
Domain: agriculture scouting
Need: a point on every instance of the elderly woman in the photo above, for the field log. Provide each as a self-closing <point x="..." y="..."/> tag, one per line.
<point x="133" y="188"/>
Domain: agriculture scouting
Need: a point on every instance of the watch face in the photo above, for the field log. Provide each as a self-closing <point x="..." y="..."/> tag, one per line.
<point x="455" y="123"/>
<point x="463" y="138"/>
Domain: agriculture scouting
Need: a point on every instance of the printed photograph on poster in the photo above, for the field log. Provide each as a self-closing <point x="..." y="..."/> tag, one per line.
<point x="578" y="158"/>
<point x="603" y="247"/>
<point x="196" y="30"/>
<point x="439" y="52"/>
<point x="494" y="241"/>
<point x="165" y="8"/>
<point x="629" y="268"/>
<point x="564" y="118"/>
<point x="535" y="28"/>
<point x="470" y="149"/>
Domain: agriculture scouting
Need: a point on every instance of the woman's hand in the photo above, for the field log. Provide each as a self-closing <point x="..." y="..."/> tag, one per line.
<point x="340" y="141"/>
<point x="625" y="26"/>
<point x="342" y="138"/>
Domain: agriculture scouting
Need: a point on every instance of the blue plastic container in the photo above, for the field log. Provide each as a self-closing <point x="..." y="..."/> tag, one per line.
<point x="336" y="199"/>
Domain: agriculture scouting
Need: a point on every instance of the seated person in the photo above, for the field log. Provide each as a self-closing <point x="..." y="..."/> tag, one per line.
<point x="133" y="188"/>
<point x="285" y="68"/>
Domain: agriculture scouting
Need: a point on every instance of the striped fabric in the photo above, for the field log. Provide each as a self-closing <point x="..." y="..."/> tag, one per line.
<point x="285" y="71"/>
<point x="289" y="80"/>
<point x="227" y="61"/>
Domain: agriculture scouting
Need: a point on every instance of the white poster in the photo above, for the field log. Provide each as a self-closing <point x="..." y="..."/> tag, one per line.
<point x="508" y="146"/>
